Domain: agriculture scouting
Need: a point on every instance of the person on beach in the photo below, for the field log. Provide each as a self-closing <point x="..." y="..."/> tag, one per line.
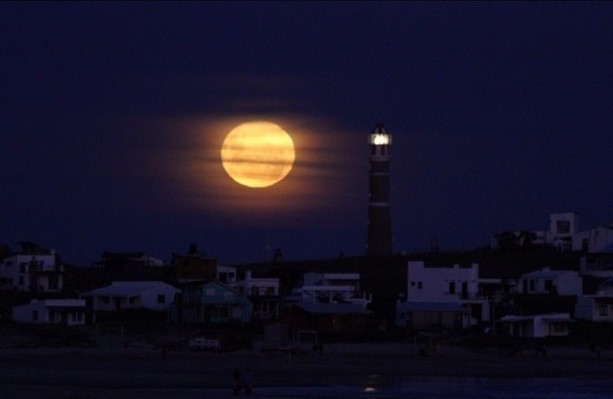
<point x="236" y="378"/>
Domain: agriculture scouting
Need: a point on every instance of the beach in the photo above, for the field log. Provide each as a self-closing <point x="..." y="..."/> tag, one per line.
<point x="358" y="370"/>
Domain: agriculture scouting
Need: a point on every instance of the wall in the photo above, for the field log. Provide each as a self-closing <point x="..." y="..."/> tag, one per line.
<point x="432" y="284"/>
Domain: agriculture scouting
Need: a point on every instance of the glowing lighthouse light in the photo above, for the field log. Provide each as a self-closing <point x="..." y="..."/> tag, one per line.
<point x="380" y="139"/>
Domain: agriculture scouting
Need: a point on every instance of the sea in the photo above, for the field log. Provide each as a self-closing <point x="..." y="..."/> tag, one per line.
<point x="454" y="388"/>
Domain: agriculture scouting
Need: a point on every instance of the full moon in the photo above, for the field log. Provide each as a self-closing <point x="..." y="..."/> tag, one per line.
<point x="258" y="154"/>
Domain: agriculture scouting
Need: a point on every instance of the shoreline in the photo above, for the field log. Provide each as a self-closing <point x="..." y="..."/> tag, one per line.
<point x="138" y="373"/>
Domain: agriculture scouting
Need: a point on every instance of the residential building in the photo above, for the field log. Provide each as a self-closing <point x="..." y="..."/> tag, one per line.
<point x="536" y="326"/>
<point x="34" y="269"/>
<point x="132" y="266"/>
<point x="450" y="297"/>
<point x="547" y="281"/>
<point x="562" y="228"/>
<point x="69" y="312"/>
<point x="212" y="303"/>
<point x="263" y="293"/>
<point x="597" y="307"/>
<point x="226" y="274"/>
<point x="562" y="234"/>
<point x="131" y="295"/>
<point x="331" y="288"/>
<point x="594" y="240"/>
<point x="597" y="264"/>
<point x="194" y="266"/>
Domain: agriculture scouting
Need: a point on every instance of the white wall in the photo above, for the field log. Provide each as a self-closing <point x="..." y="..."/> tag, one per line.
<point x="158" y="297"/>
<point x="433" y="284"/>
<point x="589" y="308"/>
<point x="257" y="286"/>
<point x="596" y="239"/>
<point x="152" y="295"/>
<point x="17" y="269"/>
<point x="565" y="282"/>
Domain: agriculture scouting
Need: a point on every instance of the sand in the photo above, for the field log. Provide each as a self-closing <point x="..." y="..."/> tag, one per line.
<point x="147" y="373"/>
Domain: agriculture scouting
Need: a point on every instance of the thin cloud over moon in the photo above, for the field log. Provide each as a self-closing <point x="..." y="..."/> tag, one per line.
<point x="193" y="170"/>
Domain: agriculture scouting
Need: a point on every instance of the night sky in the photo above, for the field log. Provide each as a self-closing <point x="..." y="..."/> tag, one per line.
<point x="113" y="115"/>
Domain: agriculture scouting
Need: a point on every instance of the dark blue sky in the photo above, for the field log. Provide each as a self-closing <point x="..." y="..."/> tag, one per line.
<point x="113" y="115"/>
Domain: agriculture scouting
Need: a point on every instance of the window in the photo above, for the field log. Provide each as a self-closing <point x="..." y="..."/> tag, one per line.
<point x="563" y="226"/>
<point x="558" y="328"/>
<point x="603" y="310"/>
<point x="54" y="283"/>
<point x="549" y="286"/>
<point x="161" y="298"/>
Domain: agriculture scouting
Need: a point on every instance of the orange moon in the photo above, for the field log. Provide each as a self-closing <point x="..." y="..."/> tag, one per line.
<point x="258" y="154"/>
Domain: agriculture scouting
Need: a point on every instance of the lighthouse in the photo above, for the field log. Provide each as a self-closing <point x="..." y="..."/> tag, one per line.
<point x="379" y="237"/>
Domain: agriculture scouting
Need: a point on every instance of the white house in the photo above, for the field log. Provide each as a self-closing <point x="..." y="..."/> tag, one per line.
<point x="444" y="290"/>
<point x="257" y="286"/>
<point x="547" y="281"/>
<point x="263" y="293"/>
<point x="597" y="264"/>
<point x="562" y="228"/>
<point x="35" y="269"/>
<point x="124" y="295"/>
<point x="332" y="288"/>
<point x="536" y="326"/>
<point x="226" y="274"/>
<point x="597" y="239"/>
<point x="69" y="312"/>
<point x="562" y="234"/>
<point x="597" y="307"/>
<point x="452" y="295"/>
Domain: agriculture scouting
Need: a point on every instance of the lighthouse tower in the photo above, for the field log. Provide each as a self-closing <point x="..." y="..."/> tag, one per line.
<point x="379" y="239"/>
